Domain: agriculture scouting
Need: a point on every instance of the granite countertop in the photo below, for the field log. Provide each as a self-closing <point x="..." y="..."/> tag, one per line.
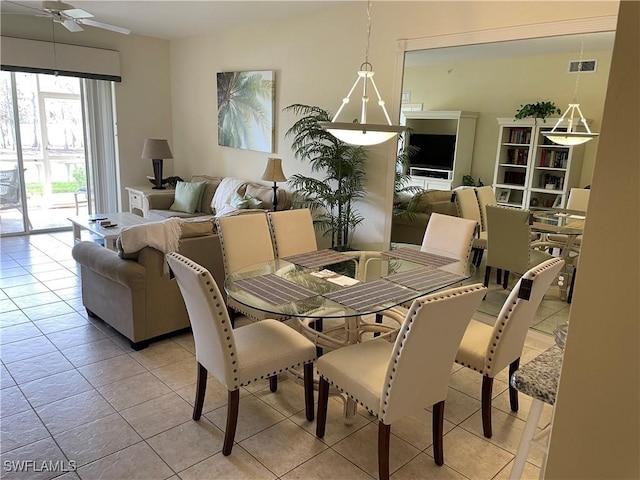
<point x="539" y="378"/>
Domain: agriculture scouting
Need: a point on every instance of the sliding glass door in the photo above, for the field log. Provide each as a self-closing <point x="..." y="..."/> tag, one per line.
<point x="43" y="162"/>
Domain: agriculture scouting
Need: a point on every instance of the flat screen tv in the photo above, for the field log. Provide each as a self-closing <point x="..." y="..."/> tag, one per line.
<point x="435" y="150"/>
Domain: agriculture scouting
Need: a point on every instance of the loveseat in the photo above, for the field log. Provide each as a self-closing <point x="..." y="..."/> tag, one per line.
<point x="133" y="292"/>
<point x="221" y="196"/>
<point x="411" y="214"/>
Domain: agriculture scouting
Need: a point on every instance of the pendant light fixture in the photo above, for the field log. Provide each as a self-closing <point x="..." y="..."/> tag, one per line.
<point x="361" y="132"/>
<point x="573" y="115"/>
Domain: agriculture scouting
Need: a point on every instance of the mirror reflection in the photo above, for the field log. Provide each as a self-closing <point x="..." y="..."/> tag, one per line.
<point x="461" y="103"/>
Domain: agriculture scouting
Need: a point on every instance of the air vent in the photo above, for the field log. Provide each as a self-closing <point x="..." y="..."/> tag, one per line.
<point x="576" y="66"/>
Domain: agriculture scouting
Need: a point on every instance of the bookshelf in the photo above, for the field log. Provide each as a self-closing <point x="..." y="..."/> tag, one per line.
<point x="530" y="170"/>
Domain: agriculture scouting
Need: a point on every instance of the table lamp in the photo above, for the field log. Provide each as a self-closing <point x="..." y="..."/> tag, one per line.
<point x="273" y="173"/>
<point x="156" y="149"/>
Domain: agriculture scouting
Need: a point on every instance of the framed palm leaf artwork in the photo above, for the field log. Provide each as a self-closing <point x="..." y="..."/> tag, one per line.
<point x="246" y="110"/>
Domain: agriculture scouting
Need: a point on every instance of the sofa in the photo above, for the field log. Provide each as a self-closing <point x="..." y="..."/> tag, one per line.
<point x="133" y="292"/>
<point x="411" y="214"/>
<point x="221" y="196"/>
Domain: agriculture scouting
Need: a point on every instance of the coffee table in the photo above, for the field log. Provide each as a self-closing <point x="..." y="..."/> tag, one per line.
<point x="107" y="234"/>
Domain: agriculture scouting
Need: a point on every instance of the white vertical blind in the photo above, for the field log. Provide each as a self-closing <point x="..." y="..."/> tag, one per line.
<point x="99" y="121"/>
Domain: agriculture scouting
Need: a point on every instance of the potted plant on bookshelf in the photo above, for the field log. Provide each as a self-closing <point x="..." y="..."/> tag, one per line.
<point x="537" y="110"/>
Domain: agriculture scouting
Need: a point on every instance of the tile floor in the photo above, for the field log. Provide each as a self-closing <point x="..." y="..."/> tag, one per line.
<point x="77" y="402"/>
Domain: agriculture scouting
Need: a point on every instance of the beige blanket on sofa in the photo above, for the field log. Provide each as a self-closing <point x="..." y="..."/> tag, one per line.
<point x="163" y="236"/>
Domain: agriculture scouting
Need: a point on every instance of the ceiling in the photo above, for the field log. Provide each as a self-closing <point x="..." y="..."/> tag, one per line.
<point x="171" y="20"/>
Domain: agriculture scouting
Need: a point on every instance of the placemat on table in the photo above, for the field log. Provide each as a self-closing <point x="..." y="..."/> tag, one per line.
<point x="417" y="256"/>
<point x="274" y="289"/>
<point x="425" y="279"/>
<point x="366" y="295"/>
<point x="317" y="258"/>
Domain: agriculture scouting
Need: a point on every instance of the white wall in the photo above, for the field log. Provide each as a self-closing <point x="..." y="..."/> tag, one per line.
<point x="596" y="430"/>
<point x="497" y="87"/>
<point x="315" y="59"/>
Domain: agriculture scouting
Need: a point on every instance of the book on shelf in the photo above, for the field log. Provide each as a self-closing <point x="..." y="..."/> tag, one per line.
<point x="520" y="135"/>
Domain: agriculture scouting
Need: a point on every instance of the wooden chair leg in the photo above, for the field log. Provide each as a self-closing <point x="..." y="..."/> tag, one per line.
<point x="487" y="387"/>
<point x="499" y="276"/>
<point x="273" y="383"/>
<point x="308" y="390"/>
<point x="384" y="434"/>
<point x="505" y="280"/>
<point x="438" y="432"/>
<point x="318" y="325"/>
<point x="478" y="260"/>
<point x="233" y="403"/>
<point x="201" y="388"/>
<point x="573" y="281"/>
<point x="323" y="403"/>
<point x="487" y="275"/>
<point x="513" y="393"/>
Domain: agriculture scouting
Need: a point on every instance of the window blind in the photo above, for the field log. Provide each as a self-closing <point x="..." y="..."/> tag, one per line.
<point x="35" y="56"/>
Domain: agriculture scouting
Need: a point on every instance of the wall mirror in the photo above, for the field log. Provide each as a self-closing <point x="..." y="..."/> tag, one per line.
<point x="489" y="75"/>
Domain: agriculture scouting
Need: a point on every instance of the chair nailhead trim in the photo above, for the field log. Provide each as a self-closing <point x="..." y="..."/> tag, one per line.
<point x="271" y="374"/>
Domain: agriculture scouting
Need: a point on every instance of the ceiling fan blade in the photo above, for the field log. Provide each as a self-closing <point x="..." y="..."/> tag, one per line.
<point x="76" y="13"/>
<point x="72" y="26"/>
<point x="106" y="26"/>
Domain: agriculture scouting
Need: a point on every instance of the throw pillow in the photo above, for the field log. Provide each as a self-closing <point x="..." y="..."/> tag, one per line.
<point x="209" y="190"/>
<point x="187" y="197"/>
<point x="245" y="201"/>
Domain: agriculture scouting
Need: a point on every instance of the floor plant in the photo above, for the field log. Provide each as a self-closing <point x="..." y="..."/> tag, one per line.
<point x="331" y="195"/>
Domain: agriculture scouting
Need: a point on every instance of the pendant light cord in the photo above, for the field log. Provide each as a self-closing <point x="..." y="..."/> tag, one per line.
<point x="575" y="92"/>
<point x="366" y="53"/>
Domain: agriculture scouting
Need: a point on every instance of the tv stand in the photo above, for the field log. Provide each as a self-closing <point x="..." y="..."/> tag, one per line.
<point x="459" y="123"/>
<point x="431" y="179"/>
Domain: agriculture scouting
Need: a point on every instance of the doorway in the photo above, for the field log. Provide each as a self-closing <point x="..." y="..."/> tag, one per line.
<point x="43" y="159"/>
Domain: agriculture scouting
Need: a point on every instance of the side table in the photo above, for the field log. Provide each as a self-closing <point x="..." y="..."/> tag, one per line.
<point x="138" y="203"/>
<point x="538" y="379"/>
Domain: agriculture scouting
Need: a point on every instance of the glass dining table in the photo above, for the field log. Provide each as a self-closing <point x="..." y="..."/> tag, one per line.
<point x="559" y="229"/>
<point x="338" y="298"/>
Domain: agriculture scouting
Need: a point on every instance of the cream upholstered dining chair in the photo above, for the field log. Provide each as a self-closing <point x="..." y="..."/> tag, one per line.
<point x="578" y="200"/>
<point x="292" y="232"/>
<point x="237" y="356"/>
<point x="245" y="240"/>
<point x="509" y="243"/>
<point x="394" y="380"/>
<point x="450" y="235"/>
<point x="488" y="349"/>
<point x="469" y="208"/>
<point x="445" y="235"/>
<point x="486" y="196"/>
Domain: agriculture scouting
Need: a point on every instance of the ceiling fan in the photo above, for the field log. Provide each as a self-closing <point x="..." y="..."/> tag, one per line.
<point x="73" y="18"/>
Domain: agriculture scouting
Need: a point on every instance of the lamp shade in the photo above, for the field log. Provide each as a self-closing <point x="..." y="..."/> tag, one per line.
<point x="273" y="172"/>
<point x="155" y="148"/>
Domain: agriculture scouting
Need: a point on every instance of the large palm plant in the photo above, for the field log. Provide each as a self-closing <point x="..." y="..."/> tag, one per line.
<point x="330" y="198"/>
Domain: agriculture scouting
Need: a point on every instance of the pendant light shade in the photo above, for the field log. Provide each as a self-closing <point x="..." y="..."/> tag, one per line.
<point x="360" y="132"/>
